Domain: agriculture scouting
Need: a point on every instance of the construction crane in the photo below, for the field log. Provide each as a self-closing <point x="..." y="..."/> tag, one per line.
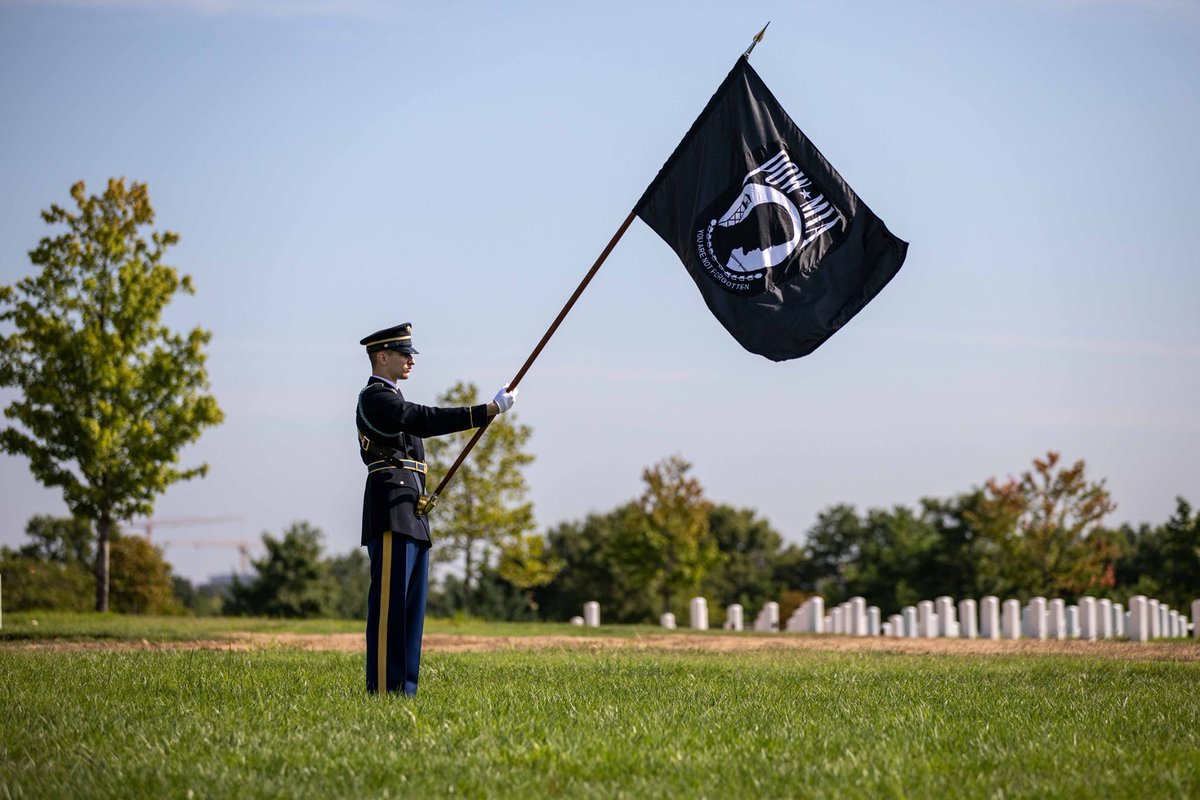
<point x="148" y="525"/>
<point x="241" y="545"/>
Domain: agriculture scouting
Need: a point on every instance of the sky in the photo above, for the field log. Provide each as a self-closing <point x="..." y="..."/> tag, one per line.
<point x="335" y="167"/>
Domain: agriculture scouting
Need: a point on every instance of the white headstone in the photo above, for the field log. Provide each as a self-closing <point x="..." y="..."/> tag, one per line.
<point x="968" y="619"/>
<point x="873" y="624"/>
<point x="1087" y="618"/>
<point x="768" y="618"/>
<point x="817" y="614"/>
<point x="1155" y="620"/>
<point x="1139" y="619"/>
<point x="1056" y="618"/>
<point x="733" y="617"/>
<point x="1173" y="623"/>
<point x="1072" y="622"/>
<point x="1037" y="618"/>
<point x="699" y="614"/>
<point x="1010" y="619"/>
<point x="989" y="617"/>
<point x="835" y="617"/>
<point x="576" y="620"/>
<point x="885" y="629"/>
<point x="946" y="614"/>
<point x="1118" y="620"/>
<point x="1164" y="626"/>
<point x="591" y="614"/>
<point x="1104" y="618"/>
<point x="667" y="620"/>
<point x="858" y="617"/>
<point x="1196" y="618"/>
<point x="910" y="621"/>
<point x="926" y="619"/>
<point x="897" y="625"/>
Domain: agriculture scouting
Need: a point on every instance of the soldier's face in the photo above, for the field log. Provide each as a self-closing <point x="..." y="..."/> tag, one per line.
<point x="399" y="365"/>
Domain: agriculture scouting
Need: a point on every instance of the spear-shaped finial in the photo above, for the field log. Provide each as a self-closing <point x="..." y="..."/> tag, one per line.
<point x="757" y="38"/>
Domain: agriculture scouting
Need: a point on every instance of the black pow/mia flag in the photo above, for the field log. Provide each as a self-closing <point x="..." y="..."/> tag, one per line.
<point x="782" y="249"/>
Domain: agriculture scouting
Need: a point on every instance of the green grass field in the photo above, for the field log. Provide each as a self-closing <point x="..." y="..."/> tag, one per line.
<point x="68" y="626"/>
<point x="279" y="722"/>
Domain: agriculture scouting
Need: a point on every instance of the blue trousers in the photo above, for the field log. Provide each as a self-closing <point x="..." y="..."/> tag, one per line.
<point x="396" y="613"/>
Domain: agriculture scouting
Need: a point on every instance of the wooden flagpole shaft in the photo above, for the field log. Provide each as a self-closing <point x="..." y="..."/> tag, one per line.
<point x="536" y="351"/>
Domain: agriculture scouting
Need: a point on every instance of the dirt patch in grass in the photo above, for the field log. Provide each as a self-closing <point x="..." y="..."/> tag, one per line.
<point x="680" y="641"/>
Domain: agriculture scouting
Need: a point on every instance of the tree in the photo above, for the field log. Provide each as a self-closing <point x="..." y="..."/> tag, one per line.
<point x="35" y="584"/>
<point x="666" y="539"/>
<point x="52" y="570"/>
<point x="594" y="569"/>
<point x="485" y="508"/>
<point x="291" y="580"/>
<point x="525" y="564"/>
<point x="895" y="562"/>
<point x="1045" y="522"/>
<point x="751" y="549"/>
<point x="351" y="575"/>
<point x="63" y="540"/>
<point x="108" y="394"/>
<point x="885" y="556"/>
<point x="967" y="560"/>
<point x="833" y="542"/>
<point x="141" y="578"/>
<point x="1164" y="561"/>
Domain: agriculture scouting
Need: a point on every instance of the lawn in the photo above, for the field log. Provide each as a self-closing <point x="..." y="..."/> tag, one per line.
<point x="575" y="722"/>
<point x="59" y="625"/>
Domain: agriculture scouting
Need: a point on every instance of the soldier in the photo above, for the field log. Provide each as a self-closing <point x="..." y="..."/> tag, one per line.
<point x="395" y="528"/>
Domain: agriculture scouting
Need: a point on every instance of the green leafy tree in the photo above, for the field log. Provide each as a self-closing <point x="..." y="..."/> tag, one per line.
<point x="485" y="508"/>
<point x="52" y="570"/>
<point x="526" y="564"/>
<point x="594" y="568"/>
<point x="968" y="558"/>
<point x="666" y="539"/>
<point x="351" y="575"/>
<point x="895" y="560"/>
<point x="36" y="584"/>
<point x="141" y="580"/>
<point x="291" y="580"/>
<point x="885" y="556"/>
<point x="205" y="600"/>
<point x="1163" y="561"/>
<point x="63" y="540"/>
<point x="1045" y="523"/>
<point x="108" y="394"/>
<point x="832" y="544"/>
<point x="748" y="571"/>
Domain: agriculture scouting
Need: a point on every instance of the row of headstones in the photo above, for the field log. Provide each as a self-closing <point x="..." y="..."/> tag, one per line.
<point x="1092" y="618"/>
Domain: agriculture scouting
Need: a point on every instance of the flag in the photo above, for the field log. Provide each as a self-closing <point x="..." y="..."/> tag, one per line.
<point x="781" y="248"/>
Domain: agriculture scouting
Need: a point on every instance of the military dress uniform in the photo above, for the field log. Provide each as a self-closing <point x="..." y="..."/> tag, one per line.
<point x="395" y="534"/>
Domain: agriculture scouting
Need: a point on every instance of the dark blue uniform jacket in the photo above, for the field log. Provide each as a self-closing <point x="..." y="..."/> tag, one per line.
<point x="390" y="421"/>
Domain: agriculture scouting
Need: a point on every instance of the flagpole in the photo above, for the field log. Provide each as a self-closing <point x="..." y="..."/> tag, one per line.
<point x="432" y="500"/>
<point x="429" y="502"/>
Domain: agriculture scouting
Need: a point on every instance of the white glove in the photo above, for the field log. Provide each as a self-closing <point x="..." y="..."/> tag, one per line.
<point x="504" y="399"/>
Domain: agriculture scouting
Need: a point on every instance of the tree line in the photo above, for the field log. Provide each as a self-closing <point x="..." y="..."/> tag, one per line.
<point x="1040" y="534"/>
